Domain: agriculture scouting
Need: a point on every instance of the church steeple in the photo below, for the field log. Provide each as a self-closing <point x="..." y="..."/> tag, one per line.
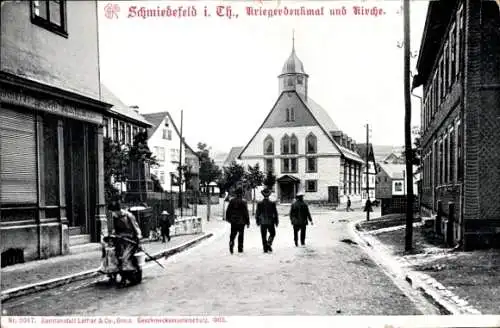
<point x="293" y="76"/>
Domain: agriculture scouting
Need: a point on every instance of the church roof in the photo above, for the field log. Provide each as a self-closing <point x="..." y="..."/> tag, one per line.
<point x="232" y="156"/>
<point x="319" y="113"/>
<point x="293" y="64"/>
<point x="323" y="120"/>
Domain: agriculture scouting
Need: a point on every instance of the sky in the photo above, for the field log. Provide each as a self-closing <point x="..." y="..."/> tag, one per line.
<point x="222" y="71"/>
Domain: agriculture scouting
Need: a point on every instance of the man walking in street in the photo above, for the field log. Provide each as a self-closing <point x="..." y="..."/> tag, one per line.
<point x="165" y="224"/>
<point x="300" y="218"/>
<point x="266" y="217"/>
<point x="348" y="207"/>
<point x="237" y="216"/>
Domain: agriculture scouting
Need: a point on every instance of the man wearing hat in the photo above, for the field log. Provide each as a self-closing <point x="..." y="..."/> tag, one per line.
<point x="237" y="215"/>
<point x="266" y="217"/>
<point x="165" y="225"/>
<point x="300" y="218"/>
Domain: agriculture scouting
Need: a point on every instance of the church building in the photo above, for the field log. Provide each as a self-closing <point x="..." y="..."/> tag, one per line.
<point x="304" y="148"/>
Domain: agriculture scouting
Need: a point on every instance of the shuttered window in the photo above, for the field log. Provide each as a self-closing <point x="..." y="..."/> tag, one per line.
<point x="18" y="176"/>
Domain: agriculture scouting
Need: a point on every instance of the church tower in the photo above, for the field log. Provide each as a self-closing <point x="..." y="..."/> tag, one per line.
<point x="293" y="76"/>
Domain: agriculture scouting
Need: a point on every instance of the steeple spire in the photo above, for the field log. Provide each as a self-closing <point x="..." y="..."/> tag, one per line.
<point x="293" y="40"/>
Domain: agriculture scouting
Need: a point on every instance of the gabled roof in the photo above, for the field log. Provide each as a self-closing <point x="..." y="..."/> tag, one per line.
<point x="234" y="153"/>
<point x="157" y="118"/>
<point x="361" y="150"/>
<point x="323" y="120"/>
<point x="120" y="109"/>
<point x="395" y="171"/>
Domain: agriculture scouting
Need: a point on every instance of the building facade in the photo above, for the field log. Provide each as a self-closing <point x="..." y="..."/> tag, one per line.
<point x="121" y="124"/>
<point x="458" y="68"/>
<point x="301" y="144"/>
<point x="51" y="128"/>
<point x="164" y="142"/>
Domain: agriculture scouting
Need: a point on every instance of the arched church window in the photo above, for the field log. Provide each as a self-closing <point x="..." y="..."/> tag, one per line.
<point x="311" y="144"/>
<point x="285" y="144"/>
<point x="290" y="81"/>
<point x="288" y="114"/>
<point x="294" y="145"/>
<point x="300" y="79"/>
<point x="268" y="146"/>
<point x="292" y="114"/>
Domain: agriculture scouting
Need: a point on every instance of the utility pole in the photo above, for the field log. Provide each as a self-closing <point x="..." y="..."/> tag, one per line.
<point x="180" y="166"/>
<point x="408" y="150"/>
<point x="367" y="172"/>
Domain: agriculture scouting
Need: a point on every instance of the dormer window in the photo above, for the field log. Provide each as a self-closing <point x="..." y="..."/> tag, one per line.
<point x="290" y="115"/>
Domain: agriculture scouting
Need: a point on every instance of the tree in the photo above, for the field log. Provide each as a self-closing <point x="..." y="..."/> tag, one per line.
<point x="115" y="167"/>
<point x="255" y="178"/>
<point x="234" y="174"/>
<point x="269" y="180"/>
<point x="416" y="150"/>
<point x="209" y="172"/>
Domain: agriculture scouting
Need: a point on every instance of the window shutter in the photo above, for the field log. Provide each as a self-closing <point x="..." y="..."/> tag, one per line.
<point x="18" y="163"/>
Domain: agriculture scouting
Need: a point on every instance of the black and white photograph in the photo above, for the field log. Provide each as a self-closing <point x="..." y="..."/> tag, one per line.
<point x="250" y="163"/>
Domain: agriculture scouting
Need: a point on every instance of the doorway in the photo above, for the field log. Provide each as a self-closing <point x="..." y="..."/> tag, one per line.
<point x="80" y="174"/>
<point x="287" y="192"/>
<point x="333" y="195"/>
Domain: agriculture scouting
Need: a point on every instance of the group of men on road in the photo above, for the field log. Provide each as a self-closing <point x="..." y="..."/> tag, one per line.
<point x="266" y="216"/>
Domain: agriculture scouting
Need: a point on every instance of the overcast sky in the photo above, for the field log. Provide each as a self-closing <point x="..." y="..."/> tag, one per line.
<point x="223" y="72"/>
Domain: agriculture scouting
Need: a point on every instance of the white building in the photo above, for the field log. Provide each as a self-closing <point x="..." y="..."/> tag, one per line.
<point x="164" y="142"/>
<point x="302" y="145"/>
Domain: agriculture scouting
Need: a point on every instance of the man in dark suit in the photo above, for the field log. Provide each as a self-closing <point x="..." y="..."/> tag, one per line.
<point x="267" y="218"/>
<point x="237" y="215"/>
<point x="300" y="217"/>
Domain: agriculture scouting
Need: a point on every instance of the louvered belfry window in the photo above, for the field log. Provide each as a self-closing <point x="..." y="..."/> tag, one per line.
<point x="18" y="161"/>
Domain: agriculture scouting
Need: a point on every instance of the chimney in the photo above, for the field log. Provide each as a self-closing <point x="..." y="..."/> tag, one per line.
<point x="135" y="108"/>
<point x="337" y="136"/>
<point x="353" y="145"/>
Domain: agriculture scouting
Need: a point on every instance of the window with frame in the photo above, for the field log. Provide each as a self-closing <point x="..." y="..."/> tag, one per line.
<point x="311" y="186"/>
<point x="122" y="132"/>
<point x="460" y="170"/>
<point x="300" y="79"/>
<point x="285" y="144"/>
<point x="311" y="144"/>
<point x="135" y="130"/>
<point x="441" y="162"/>
<point x="441" y="81"/>
<point x="51" y="15"/>
<point x="460" y="28"/>
<point x="165" y="134"/>
<point x="269" y="165"/>
<point x="169" y="134"/>
<point x="446" y="66"/>
<point x="128" y="134"/>
<point x="160" y="155"/>
<point x="398" y="186"/>
<point x="290" y="82"/>
<point x="453" y="50"/>
<point x="293" y="144"/>
<point x="115" y="130"/>
<point x="452" y="155"/>
<point x="312" y="164"/>
<point x="268" y="146"/>
<point x="105" y="131"/>
<point x="162" y="177"/>
<point x="289" y="165"/>
<point x="445" y="155"/>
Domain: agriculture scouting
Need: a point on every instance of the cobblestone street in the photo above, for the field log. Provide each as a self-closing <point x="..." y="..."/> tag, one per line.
<point x="329" y="276"/>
